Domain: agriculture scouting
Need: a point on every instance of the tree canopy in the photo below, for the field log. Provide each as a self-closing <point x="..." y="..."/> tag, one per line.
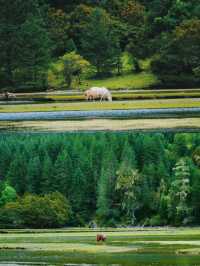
<point x="113" y="179"/>
<point x="34" y="34"/>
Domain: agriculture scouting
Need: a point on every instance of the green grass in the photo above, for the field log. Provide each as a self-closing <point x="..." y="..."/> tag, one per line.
<point x="130" y="96"/>
<point x="129" y="247"/>
<point x="126" y="81"/>
<point x="149" y="104"/>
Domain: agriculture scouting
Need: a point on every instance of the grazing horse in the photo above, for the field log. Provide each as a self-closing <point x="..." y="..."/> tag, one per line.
<point x="101" y="238"/>
<point x="98" y="93"/>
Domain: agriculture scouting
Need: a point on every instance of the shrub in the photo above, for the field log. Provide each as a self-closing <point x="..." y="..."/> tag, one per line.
<point x="156" y="221"/>
<point x="8" y="195"/>
<point x="32" y="211"/>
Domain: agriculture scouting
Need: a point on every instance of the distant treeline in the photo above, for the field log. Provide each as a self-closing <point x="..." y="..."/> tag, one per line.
<point x="36" y="34"/>
<point x="111" y="179"/>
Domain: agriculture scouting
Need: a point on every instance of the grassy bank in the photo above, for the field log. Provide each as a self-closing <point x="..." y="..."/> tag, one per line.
<point x="121" y="95"/>
<point x="130" y="247"/>
<point x="143" y="104"/>
<point x="132" y="95"/>
<point x="126" y="81"/>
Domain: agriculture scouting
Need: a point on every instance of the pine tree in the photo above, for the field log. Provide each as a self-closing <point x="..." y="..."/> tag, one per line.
<point x="35" y="56"/>
<point x="100" y="42"/>
<point x="179" y="193"/>
<point x="33" y="176"/>
<point x="62" y="173"/>
<point x="106" y="188"/>
<point x="19" y="40"/>
<point x="17" y="173"/>
<point x="46" y="175"/>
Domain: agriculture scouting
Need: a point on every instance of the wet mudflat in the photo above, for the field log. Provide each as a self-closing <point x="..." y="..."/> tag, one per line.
<point x="164" y="124"/>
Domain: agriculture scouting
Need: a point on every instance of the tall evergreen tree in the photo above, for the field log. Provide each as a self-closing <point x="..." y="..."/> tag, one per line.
<point x="100" y="42"/>
<point x="47" y="174"/>
<point x="62" y="173"/>
<point x="16" y="31"/>
<point x="17" y="173"/>
<point x="35" y="55"/>
<point x="33" y="176"/>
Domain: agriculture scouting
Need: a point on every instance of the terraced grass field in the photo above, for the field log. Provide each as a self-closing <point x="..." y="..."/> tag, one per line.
<point x="81" y="106"/>
<point x="136" y="246"/>
<point x="65" y="96"/>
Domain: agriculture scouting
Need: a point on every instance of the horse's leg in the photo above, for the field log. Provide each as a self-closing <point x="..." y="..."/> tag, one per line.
<point x="102" y="97"/>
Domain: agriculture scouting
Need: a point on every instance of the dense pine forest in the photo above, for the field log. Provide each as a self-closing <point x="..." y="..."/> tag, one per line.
<point x="45" y="42"/>
<point x="106" y="179"/>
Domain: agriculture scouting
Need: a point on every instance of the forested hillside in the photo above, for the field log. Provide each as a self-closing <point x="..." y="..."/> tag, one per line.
<point x="113" y="179"/>
<point x="48" y="42"/>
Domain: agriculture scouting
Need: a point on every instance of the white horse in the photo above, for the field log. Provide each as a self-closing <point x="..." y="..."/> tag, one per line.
<point x="9" y="96"/>
<point x="98" y="93"/>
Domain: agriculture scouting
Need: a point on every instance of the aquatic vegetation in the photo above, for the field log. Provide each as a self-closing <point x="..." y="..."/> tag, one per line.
<point x="138" y="247"/>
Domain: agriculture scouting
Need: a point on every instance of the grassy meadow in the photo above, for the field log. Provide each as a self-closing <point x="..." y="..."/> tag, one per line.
<point x="127" y="80"/>
<point x="153" y="246"/>
<point x="81" y="106"/>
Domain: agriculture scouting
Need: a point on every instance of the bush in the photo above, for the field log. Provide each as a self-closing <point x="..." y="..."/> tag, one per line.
<point x="156" y="221"/>
<point x="171" y="77"/>
<point x="11" y="216"/>
<point x="8" y="194"/>
<point x="32" y="211"/>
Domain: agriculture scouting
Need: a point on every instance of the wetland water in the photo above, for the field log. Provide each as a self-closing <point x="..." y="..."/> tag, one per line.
<point x="148" y="247"/>
<point x="172" y="119"/>
<point x="120" y="114"/>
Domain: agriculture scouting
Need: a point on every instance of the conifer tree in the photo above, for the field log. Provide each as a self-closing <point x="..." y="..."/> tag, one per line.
<point x="33" y="176"/>
<point x="100" y="42"/>
<point x="17" y="173"/>
<point x="22" y="38"/>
